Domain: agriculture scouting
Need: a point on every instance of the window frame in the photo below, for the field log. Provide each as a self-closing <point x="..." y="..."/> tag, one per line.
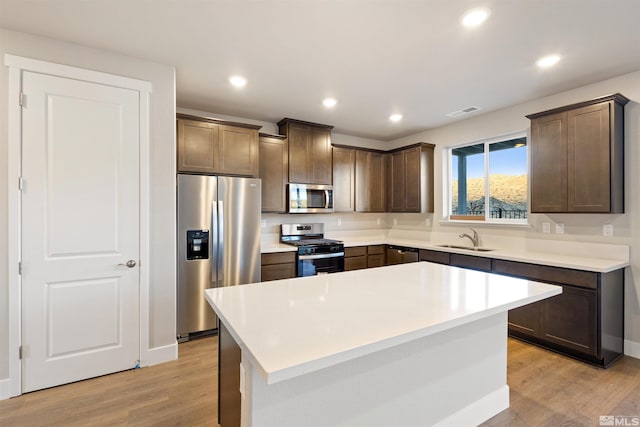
<point x="448" y="182"/>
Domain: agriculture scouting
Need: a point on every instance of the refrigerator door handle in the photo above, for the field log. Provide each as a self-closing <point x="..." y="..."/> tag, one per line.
<point x="220" y="257"/>
<point x="214" y="242"/>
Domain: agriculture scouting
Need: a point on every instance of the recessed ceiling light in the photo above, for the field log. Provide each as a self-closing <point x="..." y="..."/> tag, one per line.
<point x="475" y="17"/>
<point x="238" y="81"/>
<point x="395" y="117"/>
<point x="329" y="102"/>
<point x="548" y="61"/>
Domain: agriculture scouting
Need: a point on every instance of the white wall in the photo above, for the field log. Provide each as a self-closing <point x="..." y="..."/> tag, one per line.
<point x="578" y="227"/>
<point x="162" y="172"/>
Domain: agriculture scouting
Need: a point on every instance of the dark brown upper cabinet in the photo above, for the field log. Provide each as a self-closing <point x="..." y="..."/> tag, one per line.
<point x="577" y="157"/>
<point x="217" y="147"/>
<point x="344" y="163"/>
<point x="274" y="168"/>
<point x="370" y="181"/>
<point x="309" y="151"/>
<point x="410" y="179"/>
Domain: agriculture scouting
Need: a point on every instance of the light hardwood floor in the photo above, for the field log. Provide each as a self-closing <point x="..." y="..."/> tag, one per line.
<point x="546" y="390"/>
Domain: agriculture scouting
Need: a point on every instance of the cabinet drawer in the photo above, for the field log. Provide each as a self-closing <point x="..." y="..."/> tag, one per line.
<point x="565" y="276"/>
<point x="355" y="263"/>
<point x="355" y="251"/>
<point x="279" y="258"/>
<point x="472" y="262"/>
<point x="376" y="260"/>
<point x="375" y="250"/>
<point x="278" y="271"/>
<point x="435" y="256"/>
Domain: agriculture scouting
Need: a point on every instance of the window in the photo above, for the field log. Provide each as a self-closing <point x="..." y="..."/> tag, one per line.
<point x="489" y="174"/>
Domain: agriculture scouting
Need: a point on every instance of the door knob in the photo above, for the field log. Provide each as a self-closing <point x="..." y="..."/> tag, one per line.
<point x="131" y="263"/>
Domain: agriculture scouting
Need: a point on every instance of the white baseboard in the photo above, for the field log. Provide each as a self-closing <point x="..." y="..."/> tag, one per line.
<point x="5" y="389"/>
<point x="156" y="355"/>
<point x="480" y="410"/>
<point x="632" y="348"/>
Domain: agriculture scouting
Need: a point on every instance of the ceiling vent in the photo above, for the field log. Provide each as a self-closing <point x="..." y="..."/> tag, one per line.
<point x="462" y="112"/>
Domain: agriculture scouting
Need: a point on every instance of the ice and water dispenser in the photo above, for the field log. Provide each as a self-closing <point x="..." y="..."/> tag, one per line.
<point x="197" y="244"/>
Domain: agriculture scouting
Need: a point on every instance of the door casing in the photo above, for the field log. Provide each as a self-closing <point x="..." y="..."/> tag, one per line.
<point x="16" y="66"/>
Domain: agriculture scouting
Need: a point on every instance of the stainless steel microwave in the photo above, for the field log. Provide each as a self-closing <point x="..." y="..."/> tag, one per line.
<point x="310" y="198"/>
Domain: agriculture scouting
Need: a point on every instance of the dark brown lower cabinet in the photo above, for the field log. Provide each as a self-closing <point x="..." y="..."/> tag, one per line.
<point x="569" y="320"/>
<point x="359" y="257"/>
<point x="401" y="255"/>
<point x="278" y="265"/>
<point x="375" y="256"/>
<point x="471" y="262"/>
<point x="355" y="258"/>
<point x="435" y="256"/>
<point x="586" y="321"/>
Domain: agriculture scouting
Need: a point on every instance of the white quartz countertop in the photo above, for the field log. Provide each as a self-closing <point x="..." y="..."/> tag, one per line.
<point x="296" y="326"/>
<point x="596" y="263"/>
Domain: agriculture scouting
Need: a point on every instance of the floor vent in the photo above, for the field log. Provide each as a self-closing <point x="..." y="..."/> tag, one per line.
<point x="463" y="111"/>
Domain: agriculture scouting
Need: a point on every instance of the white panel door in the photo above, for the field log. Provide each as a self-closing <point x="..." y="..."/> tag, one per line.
<point x="80" y="222"/>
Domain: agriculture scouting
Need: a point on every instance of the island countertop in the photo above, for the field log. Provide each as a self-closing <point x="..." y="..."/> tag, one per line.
<point x="292" y="327"/>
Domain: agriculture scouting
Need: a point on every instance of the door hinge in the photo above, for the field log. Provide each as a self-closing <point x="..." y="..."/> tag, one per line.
<point x="20" y="268"/>
<point x="21" y="99"/>
<point x="20" y="352"/>
<point x="21" y="183"/>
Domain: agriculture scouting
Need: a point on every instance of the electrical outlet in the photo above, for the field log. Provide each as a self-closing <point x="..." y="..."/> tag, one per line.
<point x="546" y="227"/>
<point x="427" y="222"/>
<point x="559" y="228"/>
<point x="264" y="223"/>
<point x="339" y="221"/>
<point x="378" y="221"/>
<point x="607" y="230"/>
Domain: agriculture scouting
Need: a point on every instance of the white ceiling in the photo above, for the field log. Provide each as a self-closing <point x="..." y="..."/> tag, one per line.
<point x="376" y="57"/>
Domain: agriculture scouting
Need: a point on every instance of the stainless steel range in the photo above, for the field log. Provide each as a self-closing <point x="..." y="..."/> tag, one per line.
<point x="316" y="255"/>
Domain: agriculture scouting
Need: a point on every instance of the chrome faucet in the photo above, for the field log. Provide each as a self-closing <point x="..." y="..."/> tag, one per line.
<point x="473" y="239"/>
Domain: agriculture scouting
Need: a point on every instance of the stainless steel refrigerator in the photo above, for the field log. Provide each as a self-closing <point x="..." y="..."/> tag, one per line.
<point x="218" y="243"/>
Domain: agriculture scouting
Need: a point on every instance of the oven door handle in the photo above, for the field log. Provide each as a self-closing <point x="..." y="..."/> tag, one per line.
<point x="321" y="256"/>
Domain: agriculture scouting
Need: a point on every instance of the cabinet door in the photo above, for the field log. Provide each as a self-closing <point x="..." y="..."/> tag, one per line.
<point x="299" y="138"/>
<point x="588" y="180"/>
<point x="377" y="181"/>
<point x="396" y="182"/>
<point x="526" y="319"/>
<point x="370" y="182"/>
<point x="343" y="179"/>
<point x="363" y="181"/>
<point x="412" y="179"/>
<point x="549" y="163"/>
<point x="569" y="320"/>
<point x="197" y="146"/>
<point x="376" y="260"/>
<point x="238" y="151"/>
<point x="273" y="171"/>
<point x="320" y="156"/>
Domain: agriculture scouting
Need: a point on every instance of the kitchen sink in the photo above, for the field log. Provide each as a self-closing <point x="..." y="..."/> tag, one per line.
<point x="468" y="248"/>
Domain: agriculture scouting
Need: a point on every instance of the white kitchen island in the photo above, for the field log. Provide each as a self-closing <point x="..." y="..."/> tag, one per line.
<point x="407" y="345"/>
